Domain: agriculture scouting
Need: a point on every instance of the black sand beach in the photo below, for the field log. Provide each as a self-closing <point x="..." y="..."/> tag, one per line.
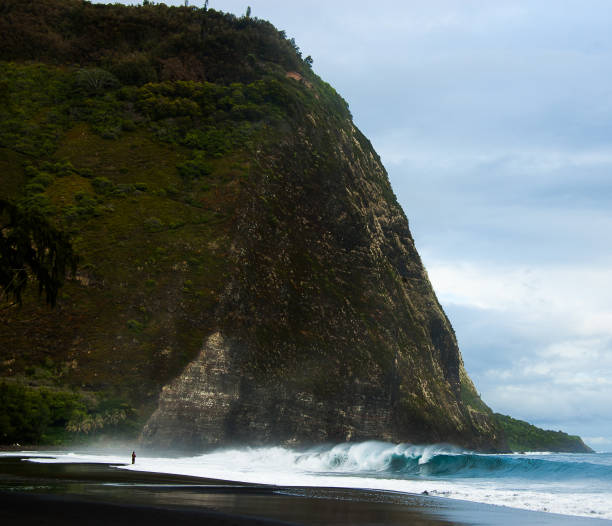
<point x="96" y="494"/>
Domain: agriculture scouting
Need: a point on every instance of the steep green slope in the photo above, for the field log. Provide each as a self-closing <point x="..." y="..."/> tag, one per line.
<point x="145" y="179"/>
<point x="147" y="185"/>
<point x="246" y="271"/>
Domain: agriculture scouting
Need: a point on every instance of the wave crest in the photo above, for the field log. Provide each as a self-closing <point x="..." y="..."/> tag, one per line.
<point x="407" y="461"/>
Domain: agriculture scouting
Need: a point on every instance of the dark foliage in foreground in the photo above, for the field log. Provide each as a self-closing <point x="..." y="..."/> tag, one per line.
<point x="31" y="246"/>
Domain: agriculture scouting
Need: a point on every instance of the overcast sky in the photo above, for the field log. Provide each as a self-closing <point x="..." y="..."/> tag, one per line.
<point x="494" y="121"/>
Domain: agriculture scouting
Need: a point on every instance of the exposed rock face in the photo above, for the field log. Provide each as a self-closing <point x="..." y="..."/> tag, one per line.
<point x="329" y="329"/>
<point x="220" y="407"/>
<point x="203" y="395"/>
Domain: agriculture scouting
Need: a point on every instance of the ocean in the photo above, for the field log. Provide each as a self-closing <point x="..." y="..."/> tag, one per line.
<point x="563" y="483"/>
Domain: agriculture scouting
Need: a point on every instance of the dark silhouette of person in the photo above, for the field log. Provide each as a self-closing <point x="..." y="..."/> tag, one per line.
<point x="133" y="457"/>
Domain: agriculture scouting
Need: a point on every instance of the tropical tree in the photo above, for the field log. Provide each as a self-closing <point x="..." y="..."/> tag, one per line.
<point x="32" y="248"/>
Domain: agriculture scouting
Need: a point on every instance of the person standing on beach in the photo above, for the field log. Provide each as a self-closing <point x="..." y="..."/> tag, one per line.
<point x="133" y="457"/>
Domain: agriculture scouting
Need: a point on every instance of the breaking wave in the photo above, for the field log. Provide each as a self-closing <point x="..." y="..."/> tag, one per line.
<point x="376" y="458"/>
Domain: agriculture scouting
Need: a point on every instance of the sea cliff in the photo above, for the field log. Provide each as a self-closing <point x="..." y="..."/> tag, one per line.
<point x="246" y="273"/>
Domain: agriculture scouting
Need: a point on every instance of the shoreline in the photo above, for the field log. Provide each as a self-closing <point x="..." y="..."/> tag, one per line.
<point x="77" y="493"/>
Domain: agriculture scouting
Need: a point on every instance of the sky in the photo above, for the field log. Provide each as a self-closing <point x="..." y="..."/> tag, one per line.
<point x="494" y="122"/>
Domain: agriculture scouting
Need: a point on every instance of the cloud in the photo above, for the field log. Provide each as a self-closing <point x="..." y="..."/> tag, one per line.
<point x="599" y="443"/>
<point x="536" y="340"/>
<point x="528" y="208"/>
<point x="578" y="296"/>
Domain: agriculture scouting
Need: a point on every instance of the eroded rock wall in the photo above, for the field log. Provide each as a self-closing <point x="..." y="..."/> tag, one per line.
<point x="329" y="330"/>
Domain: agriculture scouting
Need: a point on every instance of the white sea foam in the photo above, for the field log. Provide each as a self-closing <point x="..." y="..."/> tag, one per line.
<point x="369" y="465"/>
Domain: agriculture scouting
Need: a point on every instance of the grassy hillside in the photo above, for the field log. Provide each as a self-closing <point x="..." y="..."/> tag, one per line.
<point x="143" y="158"/>
<point x="523" y="437"/>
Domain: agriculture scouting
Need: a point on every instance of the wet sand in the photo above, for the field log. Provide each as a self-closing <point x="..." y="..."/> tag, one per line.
<point x="96" y="494"/>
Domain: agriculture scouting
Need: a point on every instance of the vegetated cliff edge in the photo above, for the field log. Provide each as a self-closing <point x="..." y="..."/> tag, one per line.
<point x="247" y="275"/>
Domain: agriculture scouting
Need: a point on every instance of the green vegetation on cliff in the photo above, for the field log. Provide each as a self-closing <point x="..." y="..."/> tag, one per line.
<point x="143" y="158"/>
<point x="47" y="415"/>
<point x="523" y="437"/>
